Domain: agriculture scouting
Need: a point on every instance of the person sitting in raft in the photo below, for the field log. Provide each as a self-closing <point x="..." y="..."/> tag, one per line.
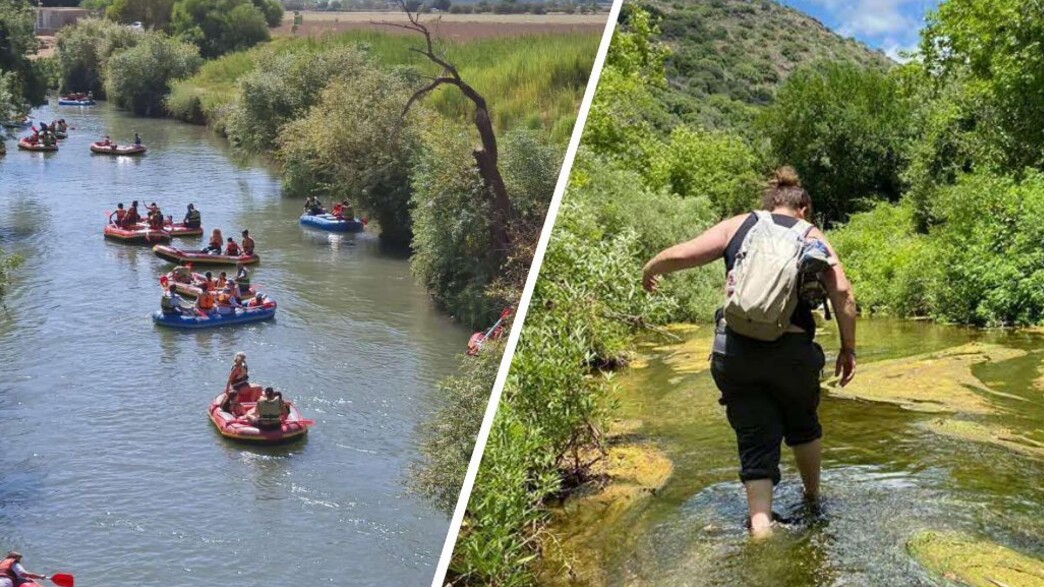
<point x="269" y="411"/>
<point x="107" y="142"/>
<point x="238" y="380"/>
<point x="131" y="217"/>
<point x="13" y="574"/>
<point x="172" y="304"/>
<point x="182" y="274"/>
<point x="118" y="216"/>
<point x="155" y="217"/>
<point x="205" y="302"/>
<point x="208" y="279"/>
<point x="313" y="206"/>
<point x="257" y="301"/>
<point x="248" y="243"/>
<point x="193" y="219"/>
<point x="214" y="246"/>
<point x="232" y="249"/>
<point x="226" y="301"/>
<point x="137" y="139"/>
<point x="222" y="280"/>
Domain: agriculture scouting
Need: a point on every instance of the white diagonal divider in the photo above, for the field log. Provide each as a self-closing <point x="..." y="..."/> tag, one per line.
<point x="523" y="304"/>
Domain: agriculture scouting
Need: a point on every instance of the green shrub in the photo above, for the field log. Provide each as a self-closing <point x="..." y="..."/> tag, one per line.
<point x="353" y="145"/>
<point x="83" y="51"/>
<point x="281" y="88"/>
<point x="846" y="130"/>
<point x="139" y="78"/>
<point x="713" y="164"/>
<point x="219" y="26"/>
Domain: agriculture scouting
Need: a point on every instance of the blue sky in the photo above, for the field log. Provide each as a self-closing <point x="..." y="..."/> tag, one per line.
<point x="889" y="25"/>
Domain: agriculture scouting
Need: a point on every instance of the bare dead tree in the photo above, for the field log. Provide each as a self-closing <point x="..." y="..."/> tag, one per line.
<point x="486" y="156"/>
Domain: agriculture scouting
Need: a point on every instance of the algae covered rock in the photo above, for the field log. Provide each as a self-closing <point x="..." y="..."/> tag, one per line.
<point x="933" y="382"/>
<point x="974" y="562"/>
<point x="988" y="434"/>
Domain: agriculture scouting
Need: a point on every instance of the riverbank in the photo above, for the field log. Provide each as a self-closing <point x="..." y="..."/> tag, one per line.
<point x="944" y="421"/>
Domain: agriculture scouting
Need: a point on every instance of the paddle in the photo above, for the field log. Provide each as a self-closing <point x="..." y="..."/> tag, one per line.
<point x="63" y="580"/>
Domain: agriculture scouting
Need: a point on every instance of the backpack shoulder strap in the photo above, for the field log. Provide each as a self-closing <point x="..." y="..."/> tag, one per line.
<point x="763" y="216"/>
<point x="802" y="228"/>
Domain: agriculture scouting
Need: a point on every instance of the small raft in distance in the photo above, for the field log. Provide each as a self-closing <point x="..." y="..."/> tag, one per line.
<point x="25" y="145"/>
<point x="229" y="426"/>
<point x="332" y="223"/>
<point x="117" y="150"/>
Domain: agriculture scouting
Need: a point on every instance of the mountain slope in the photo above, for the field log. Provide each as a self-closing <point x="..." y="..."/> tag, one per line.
<point x="728" y="55"/>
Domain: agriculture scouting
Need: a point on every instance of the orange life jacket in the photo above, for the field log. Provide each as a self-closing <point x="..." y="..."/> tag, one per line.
<point x="206" y="300"/>
<point x="6" y="568"/>
<point x="224" y="299"/>
<point x="232" y="250"/>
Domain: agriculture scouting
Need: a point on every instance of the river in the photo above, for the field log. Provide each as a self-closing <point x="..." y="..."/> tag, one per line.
<point x="111" y="469"/>
<point x="890" y="471"/>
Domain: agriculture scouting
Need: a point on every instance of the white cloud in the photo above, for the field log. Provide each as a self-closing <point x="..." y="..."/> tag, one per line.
<point x="894" y="24"/>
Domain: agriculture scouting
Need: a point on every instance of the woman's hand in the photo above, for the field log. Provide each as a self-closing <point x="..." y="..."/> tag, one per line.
<point x="846" y="366"/>
<point x="650" y="281"/>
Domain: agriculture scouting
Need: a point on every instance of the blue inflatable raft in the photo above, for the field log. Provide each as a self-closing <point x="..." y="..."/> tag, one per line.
<point x="64" y="102"/>
<point x="241" y="316"/>
<point x="331" y="223"/>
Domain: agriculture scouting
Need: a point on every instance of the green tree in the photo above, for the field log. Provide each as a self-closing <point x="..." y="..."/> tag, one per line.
<point x="219" y="26"/>
<point x="996" y="45"/>
<point x="846" y="129"/>
<point x="351" y="146"/>
<point x="83" y="50"/>
<point x="24" y="79"/>
<point x="139" y="78"/>
<point x="272" y="10"/>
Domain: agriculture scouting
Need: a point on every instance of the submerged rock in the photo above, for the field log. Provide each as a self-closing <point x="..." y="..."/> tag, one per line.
<point x="974" y="562"/>
<point x="688" y="356"/>
<point x="995" y="435"/>
<point x="934" y="382"/>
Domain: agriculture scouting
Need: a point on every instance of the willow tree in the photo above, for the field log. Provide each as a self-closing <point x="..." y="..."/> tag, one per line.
<point x="486" y="156"/>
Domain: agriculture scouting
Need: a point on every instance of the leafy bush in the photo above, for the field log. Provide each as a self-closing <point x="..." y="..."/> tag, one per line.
<point x="846" y="130"/>
<point x="219" y="26"/>
<point x="139" y="78"/>
<point x="353" y="145"/>
<point x="719" y="166"/>
<point x="154" y="14"/>
<point x="452" y="242"/>
<point x="449" y="437"/>
<point x="17" y="43"/>
<point x="83" y="51"/>
<point x="281" y="88"/>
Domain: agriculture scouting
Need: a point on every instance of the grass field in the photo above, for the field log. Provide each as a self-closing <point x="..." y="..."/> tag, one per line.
<point x="458" y="27"/>
<point x="534" y="81"/>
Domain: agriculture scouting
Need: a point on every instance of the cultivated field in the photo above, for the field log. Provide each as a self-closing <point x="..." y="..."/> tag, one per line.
<point x="449" y="26"/>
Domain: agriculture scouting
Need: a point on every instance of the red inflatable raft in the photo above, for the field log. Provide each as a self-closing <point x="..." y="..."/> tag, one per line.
<point x="235" y="427"/>
<point x="142" y="235"/>
<point x="177" y="229"/>
<point x="117" y="150"/>
<point x="176" y="255"/>
<point x="25" y="145"/>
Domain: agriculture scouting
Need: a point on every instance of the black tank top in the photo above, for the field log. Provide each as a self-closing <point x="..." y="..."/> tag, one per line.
<point x="802" y="317"/>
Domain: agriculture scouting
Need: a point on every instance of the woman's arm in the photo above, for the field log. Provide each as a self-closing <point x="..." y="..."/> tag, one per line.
<point x="843" y="300"/>
<point x="701" y="250"/>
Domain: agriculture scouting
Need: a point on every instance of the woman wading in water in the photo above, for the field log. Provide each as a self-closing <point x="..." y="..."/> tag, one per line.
<point x="765" y="360"/>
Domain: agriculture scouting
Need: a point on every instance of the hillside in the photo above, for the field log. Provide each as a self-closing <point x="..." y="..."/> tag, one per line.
<point x="727" y="55"/>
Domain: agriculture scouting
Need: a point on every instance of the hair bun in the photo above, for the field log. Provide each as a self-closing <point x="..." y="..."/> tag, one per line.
<point x="785" y="177"/>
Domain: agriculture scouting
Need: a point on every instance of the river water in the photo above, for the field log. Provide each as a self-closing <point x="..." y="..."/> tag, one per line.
<point x="111" y="469"/>
<point x="887" y="475"/>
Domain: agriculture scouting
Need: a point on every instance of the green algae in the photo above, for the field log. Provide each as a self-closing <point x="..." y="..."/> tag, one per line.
<point x="932" y="382"/>
<point x="986" y="434"/>
<point x="973" y="562"/>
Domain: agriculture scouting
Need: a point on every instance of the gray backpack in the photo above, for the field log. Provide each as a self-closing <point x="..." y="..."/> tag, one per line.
<point x="761" y="289"/>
